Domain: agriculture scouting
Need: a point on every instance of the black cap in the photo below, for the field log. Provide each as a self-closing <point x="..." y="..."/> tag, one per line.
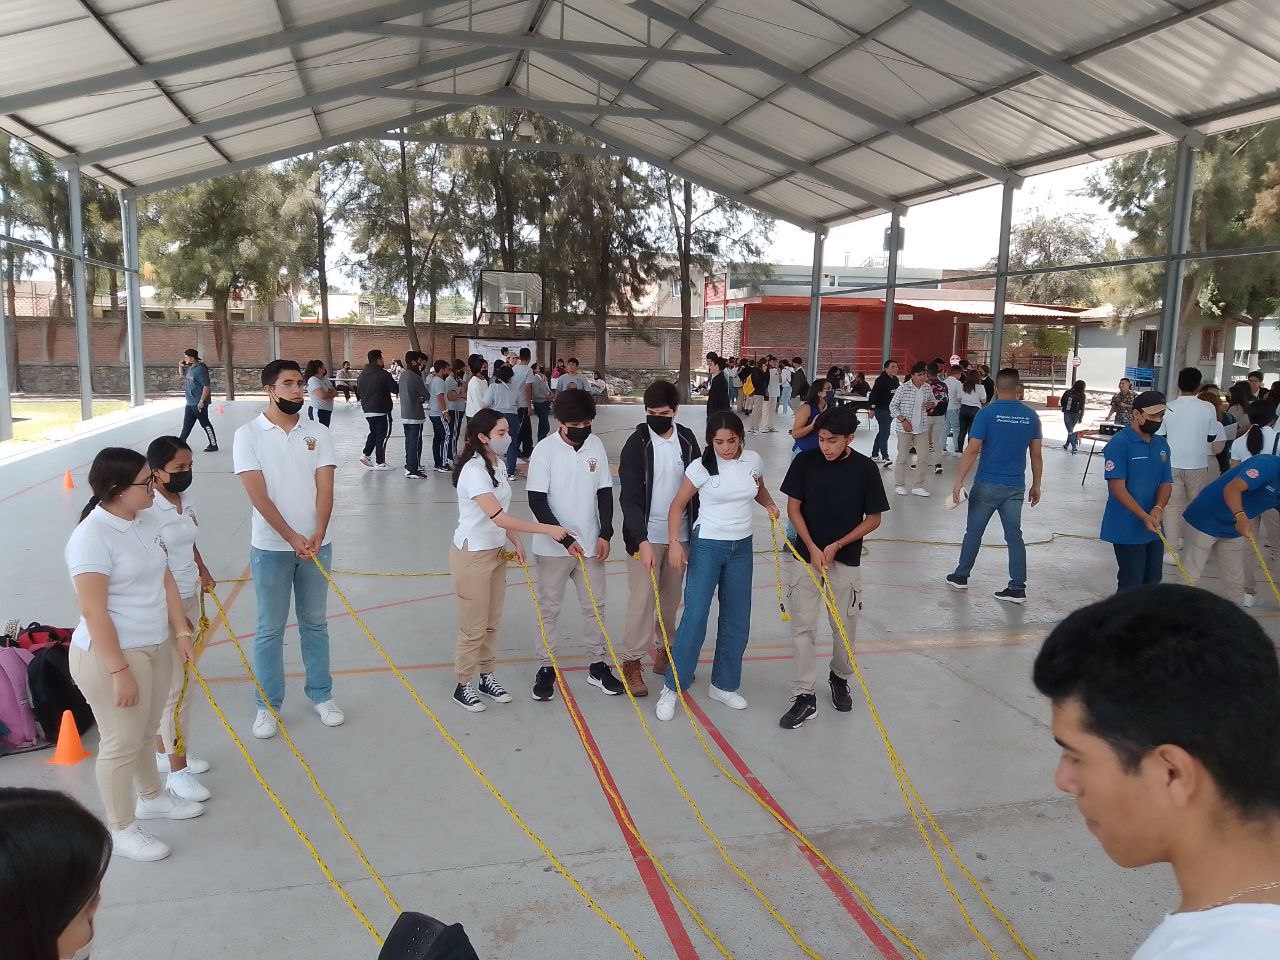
<point x="1150" y="401"/>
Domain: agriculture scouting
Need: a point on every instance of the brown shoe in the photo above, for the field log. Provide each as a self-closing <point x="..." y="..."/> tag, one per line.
<point x="661" y="661"/>
<point x="633" y="677"/>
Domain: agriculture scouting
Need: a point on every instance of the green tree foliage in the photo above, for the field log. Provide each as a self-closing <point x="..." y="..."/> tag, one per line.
<point x="1057" y="240"/>
<point x="1231" y="188"/>
<point x="221" y="239"/>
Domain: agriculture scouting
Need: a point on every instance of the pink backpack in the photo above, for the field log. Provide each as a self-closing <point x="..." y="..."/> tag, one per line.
<point x="17" y="720"/>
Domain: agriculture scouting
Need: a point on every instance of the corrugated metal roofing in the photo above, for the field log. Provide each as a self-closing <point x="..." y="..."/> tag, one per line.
<point x="818" y="111"/>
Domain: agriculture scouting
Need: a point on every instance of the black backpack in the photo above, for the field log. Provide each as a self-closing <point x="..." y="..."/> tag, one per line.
<point x="416" y="936"/>
<point x="799" y="384"/>
<point x="53" y="691"/>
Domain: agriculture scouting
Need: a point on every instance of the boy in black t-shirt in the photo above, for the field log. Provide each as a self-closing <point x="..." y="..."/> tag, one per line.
<point x="834" y="498"/>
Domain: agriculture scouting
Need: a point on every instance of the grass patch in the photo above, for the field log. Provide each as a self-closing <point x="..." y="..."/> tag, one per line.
<point x="39" y="421"/>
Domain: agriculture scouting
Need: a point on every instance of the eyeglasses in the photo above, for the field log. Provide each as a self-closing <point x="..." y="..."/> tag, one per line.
<point x="149" y="482"/>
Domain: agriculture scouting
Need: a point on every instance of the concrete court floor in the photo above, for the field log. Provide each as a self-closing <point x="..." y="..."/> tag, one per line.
<point x="949" y="671"/>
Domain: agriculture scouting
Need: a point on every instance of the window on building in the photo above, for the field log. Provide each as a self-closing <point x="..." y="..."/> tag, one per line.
<point x="675" y="289"/>
<point x="734" y="313"/>
<point x="713" y="314"/>
<point x="1210" y="344"/>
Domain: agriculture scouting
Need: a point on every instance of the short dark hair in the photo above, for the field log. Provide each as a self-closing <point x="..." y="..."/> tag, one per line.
<point x="842" y="419"/>
<point x="1008" y="378"/>
<point x="933" y="368"/>
<point x="439" y="364"/>
<point x="313" y="368"/>
<point x="53" y="855"/>
<point x="1168" y="664"/>
<point x="271" y="372"/>
<point x="1189" y="379"/>
<point x="798" y="361"/>
<point x="1255" y="375"/>
<point x="191" y="352"/>
<point x="374" y="356"/>
<point x="661" y="393"/>
<point x="525" y="353"/>
<point x="888" y="364"/>
<point x="162" y="450"/>
<point x="574" y="405"/>
<point x="919" y="367"/>
<point x="573" y="360"/>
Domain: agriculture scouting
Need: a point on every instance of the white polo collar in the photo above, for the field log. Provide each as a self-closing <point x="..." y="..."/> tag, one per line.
<point x="265" y="424"/>
<point x="114" y="522"/>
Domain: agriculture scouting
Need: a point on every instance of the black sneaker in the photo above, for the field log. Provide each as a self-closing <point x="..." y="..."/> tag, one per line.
<point x="937" y="468"/>
<point x="414" y="475"/>
<point x="912" y="451"/>
<point x="841" y="698"/>
<point x="464" y="695"/>
<point x="803" y="707"/>
<point x="544" y="684"/>
<point x="212" y="448"/>
<point x="1012" y="595"/>
<point x="958" y="583"/>
<point x="492" y="689"/>
<point x="601" y="676"/>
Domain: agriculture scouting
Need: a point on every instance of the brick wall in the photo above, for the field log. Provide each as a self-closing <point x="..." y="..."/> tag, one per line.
<point x="48" y="355"/>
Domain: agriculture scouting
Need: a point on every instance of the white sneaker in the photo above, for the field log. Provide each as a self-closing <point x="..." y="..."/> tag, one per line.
<point x="134" y="843"/>
<point x="184" y="784"/>
<point x="264" y="725"/>
<point x="329" y="713"/>
<point x="919" y="492"/>
<point x="381" y="466"/>
<point x="366" y="462"/>
<point x="728" y="697"/>
<point x="194" y="764"/>
<point x="900" y="491"/>
<point x="1250" y="600"/>
<point x="666" y="706"/>
<point x="1169" y="561"/>
<point x="166" y="805"/>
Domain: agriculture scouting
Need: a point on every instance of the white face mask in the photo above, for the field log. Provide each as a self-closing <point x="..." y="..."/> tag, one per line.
<point x="500" y="445"/>
<point x="83" y="952"/>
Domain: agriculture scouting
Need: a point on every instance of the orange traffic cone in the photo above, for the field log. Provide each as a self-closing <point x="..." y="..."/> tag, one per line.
<point x="67" y="482"/>
<point x="70" y="750"/>
<point x="221" y="410"/>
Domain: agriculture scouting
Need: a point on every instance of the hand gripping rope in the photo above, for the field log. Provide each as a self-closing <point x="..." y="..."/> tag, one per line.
<point x="724" y="853"/>
<point x="1256" y="550"/>
<point x="457" y="747"/>
<point x="910" y="795"/>
<point x="604" y="780"/>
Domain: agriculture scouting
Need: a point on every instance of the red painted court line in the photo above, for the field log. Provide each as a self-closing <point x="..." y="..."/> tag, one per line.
<point x="842" y="893"/>
<point x="653" y="884"/>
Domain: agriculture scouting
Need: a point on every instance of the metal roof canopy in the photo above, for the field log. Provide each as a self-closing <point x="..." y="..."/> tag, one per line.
<point x="817" y="112"/>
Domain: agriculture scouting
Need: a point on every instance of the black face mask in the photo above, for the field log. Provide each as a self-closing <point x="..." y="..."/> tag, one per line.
<point x="577" y="435"/>
<point x="659" y="424"/>
<point x="289" y="407"/>
<point x="179" y="480"/>
<point x="1150" y="427"/>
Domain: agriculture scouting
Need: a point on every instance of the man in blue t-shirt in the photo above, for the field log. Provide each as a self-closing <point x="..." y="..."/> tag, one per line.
<point x="1139" y="476"/>
<point x="197" y="387"/>
<point x="1221" y="517"/>
<point x="1002" y="434"/>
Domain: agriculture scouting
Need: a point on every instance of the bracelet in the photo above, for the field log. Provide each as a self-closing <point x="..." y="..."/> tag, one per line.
<point x="1239" y="513"/>
<point x="119" y="670"/>
<point x="185" y="633"/>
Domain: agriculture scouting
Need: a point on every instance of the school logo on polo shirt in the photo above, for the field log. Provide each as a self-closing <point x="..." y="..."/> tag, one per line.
<point x="591" y="464"/>
<point x="191" y="513"/>
<point x="160" y="544"/>
<point x="310" y="442"/>
<point x="1164" y="455"/>
<point x="1251" y="473"/>
<point x="1110" y="465"/>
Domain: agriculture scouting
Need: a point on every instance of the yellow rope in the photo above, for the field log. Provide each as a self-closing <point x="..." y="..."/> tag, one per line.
<point x="783" y="821"/>
<point x="1265" y="569"/>
<point x="302" y="761"/>
<point x="284" y="811"/>
<point x="457" y="747"/>
<point x="1177" y="562"/>
<point x="910" y="795"/>
<point x="777" y="570"/>
<point x="653" y="742"/>
<point x="604" y="780"/>
<point x="179" y="738"/>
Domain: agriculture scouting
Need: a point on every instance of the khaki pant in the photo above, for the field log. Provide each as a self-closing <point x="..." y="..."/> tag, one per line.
<point x="1266" y="530"/>
<point x="1198" y="547"/>
<point x="901" y="458"/>
<point x="1187" y="484"/>
<point x="762" y="413"/>
<point x="554" y="574"/>
<point x="480" y="581"/>
<point x="172" y="709"/>
<point x="643" y="634"/>
<point x="126" y="748"/>
<point x="933" y="428"/>
<point x="805" y="604"/>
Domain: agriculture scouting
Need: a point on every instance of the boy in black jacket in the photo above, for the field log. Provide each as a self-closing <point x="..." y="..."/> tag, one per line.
<point x="650" y="470"/>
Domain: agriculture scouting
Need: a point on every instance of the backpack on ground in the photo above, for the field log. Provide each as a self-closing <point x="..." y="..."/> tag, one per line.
<point x="35" y="636"/>
<point x="53" y="691"/>
<point x="18" y="729"/>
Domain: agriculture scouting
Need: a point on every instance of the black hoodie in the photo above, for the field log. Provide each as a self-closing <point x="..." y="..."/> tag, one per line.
<point x="635" y="478"/>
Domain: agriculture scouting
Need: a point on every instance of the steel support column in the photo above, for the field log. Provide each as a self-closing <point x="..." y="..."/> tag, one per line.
<point x="1184" y="179"/>
<point x="890" y="286"/>
<point x="815" y="303"/>
<point x="1002" y="278"/>
<point x="133" y="300"/>
<point x="6" y="408"/>
<point x="84" y="321"/>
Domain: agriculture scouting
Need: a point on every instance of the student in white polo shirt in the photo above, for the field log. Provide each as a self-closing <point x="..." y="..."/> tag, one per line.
<point x="170" y="462"/>
<point x="1191" y="426"/>
<point x="287" y="467"/>
<point x="570" y="486"/>
<point x="131" y="620"/>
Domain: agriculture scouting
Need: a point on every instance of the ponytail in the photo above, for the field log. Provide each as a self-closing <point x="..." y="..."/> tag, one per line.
<point x="1261" y="413"/>
<point x="89" y="507"/>
<point x="1253" y="441"/>
<point x="483" y="422"/>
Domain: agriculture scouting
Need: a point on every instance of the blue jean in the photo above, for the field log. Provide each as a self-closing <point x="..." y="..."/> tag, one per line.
<point x="1073" y="438"/>
<point x="412" y="447"/>
<point x="986" y="499"/>
<point x="542" y="408"/>
<point x="725" y="564"/>
<point x="1138" y="563"/>
<point x="276" y="575"/>
<point x="952" y="429"/>
<point x="513" y="424"/>
<point x="439" y="441"/>
<point x="884" y="427"/>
